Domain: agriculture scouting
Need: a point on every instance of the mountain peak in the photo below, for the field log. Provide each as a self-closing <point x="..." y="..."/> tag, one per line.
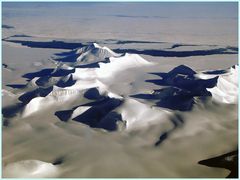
<point x="96" y="45"/>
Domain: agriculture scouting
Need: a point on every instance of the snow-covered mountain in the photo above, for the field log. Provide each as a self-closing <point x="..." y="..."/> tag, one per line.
<point x="86" y="90"/>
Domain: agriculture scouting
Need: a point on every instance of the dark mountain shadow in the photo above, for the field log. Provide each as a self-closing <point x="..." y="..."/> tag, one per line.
<point x="182" y="69"/>
<point x="109" y="122"/>
<point x="20" y="35"/>
<point x="228" y="161"/>
<point x="93" y="116"/>
<point x="181" y="88"/>
<point x="71" y="57"/>
<point x="145" y="96"/>
<point x="44" y="72"/>
<point x="117" y="41"/>
<point x="93" y="65"/>
<point x="58" y="161"/>
<point x="183" y="77"/>
<point x="12" y="111"/>
<point x="92" y="94"/>
<point x="178" y="122"/>
<point x="47" y="81"/>
<point x="64" y="115"/>
<point x="162" y="138"/>
<point x="4" y="26"/>
<point x="62" y="72"/>
<point x="48" y="44"/>
<point x="164" y="53"/>
<point x="181" y="45"/>
<point x="39" y="92"/>
<point x="232" y="48"/>
<point x="152" y="52"/>
<point x="99" y="101"/>
<point x="66" y="82"/>
<point x="4" y="65"/>
<point x="99" y="115"/>
<point x="49" y="72"/>
<point x="215" y="72"/>
<point x="44" y="81"/>
<point x="195" y="87"/>
<point x="176" y="99"/>
<point x="137" y="42"/>
<point x="171" y="98"/>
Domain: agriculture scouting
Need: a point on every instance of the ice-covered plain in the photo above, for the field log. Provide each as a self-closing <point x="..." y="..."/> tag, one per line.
<point x="119" y="90"/>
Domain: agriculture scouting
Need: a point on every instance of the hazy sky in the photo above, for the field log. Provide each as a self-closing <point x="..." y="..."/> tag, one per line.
<point x="161" y="9"/>
<point x="215" y="22"/>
